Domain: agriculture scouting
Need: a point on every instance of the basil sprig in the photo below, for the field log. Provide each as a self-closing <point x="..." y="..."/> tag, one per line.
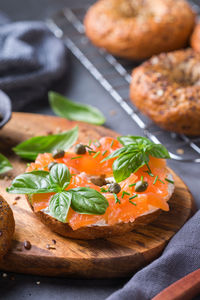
<point x="41" y="144"/>
<point x="70" y="110"/>
<point x="82" y="200"/>
<point x="133" y="155"/>
<point x="5" y="165"/>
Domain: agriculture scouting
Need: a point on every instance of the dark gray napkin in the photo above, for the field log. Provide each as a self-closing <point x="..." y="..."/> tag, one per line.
<point x="30" y="59"/>
<point x="180" y="257"/>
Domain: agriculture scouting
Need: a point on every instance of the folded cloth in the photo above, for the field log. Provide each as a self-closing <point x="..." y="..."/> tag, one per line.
<point x="180" y="257"/>
<point x="31" y="57"/>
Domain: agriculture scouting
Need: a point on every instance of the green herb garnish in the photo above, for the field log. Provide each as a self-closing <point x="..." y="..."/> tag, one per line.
<point x="161" y="181"/>
<point x="104" y="152"/>
<point x="168" y="180"/>
<point x="5" y="165"/>
<point x="112" y="144"/>
<point x="103" y="190"/>
<point x="133" y="197"/>
<point x="97" y="154"/>
<point x="133" y="155"/>
<point x="82" y="200"/>
<point x="117" y="200"/>
<point x="133" y="184"/>
<point x="125" y="193"/>
<point x="155" y="180"/>
<point x="41" y="144"/>
<point x="132" y="202"/>
<point x="70" y="110"/>
<point x="76" y="157"/>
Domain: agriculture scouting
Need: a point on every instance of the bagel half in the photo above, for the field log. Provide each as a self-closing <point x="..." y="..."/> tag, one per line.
<point x="7" y="227"/>
<point x="138" y="29"/>
<point x="166" y="88"/>
<point x="100" y="231"/>
<point x="195" y="38"/>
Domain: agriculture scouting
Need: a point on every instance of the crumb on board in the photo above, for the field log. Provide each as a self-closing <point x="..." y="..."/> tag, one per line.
<point x="180" y="151"/>
<point x="4" y="275"/>
<point x="38" y="282"/>
<point x="112" y="112"/>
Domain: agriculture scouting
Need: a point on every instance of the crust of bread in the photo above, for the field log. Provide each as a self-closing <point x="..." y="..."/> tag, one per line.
<point x="137" y="31"/>
<point x="94" y="232"/>
<point x="166" y="89"/>
<point x="7" y="227"/>
<point x="195" y="38"/>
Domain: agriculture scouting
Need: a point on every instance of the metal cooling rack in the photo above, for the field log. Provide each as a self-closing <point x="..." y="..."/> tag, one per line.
<point x="114" y="75"/>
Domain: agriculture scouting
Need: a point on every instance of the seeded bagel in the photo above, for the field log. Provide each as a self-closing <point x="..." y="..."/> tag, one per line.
<point x="166" y="88"/>
<point x="195" y="39"/>
<point x="138" y="29"/>
<point x="100" y="230"/>
<point x="7" y="226"/>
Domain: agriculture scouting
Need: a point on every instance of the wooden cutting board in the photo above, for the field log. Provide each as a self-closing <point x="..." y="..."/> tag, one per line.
<point x="113" y="257"/>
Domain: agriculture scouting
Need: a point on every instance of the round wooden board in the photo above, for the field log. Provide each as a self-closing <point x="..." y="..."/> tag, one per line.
<point x="113" y="257"/>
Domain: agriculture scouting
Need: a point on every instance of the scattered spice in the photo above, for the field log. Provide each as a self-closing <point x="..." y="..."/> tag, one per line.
<point x="180" y="151"/>
<point x="113" y="112"/>
<point x="27" y="245"/>
<point x="17" y="198"/>
<point x="19" y="249"/>
<point x="14" y="203"/>
<point x="49" y="247"/>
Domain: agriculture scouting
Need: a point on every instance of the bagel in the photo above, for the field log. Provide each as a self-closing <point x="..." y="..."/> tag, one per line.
<point x="120" y="217"/>
<point x="166" y="88"/>
<point x="138" y="29"/>
<point x="7" y="226"/>
<point x="195" y="38"/>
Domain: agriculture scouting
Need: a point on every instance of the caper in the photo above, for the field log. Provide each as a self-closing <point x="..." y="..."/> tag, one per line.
<point x="141" y="186"/>
<point x="58" y="153"/>
<point x="80" y="149"/>
<point x="51" y="164"/>
<point x="114" y="188"/>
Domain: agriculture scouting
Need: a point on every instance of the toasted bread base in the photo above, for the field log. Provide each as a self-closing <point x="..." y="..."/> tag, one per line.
<point x="7" y="227"/>
<point x="94" y="232"/>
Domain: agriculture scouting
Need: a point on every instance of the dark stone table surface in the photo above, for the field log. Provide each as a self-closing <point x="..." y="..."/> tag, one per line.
<point x="79" y="85"/>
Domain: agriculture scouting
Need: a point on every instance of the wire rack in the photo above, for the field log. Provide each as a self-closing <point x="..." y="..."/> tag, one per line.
<point x="114" y="76"/>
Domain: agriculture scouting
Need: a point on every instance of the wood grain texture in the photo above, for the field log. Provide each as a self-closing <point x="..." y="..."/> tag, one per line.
<point x="113" y="257"/>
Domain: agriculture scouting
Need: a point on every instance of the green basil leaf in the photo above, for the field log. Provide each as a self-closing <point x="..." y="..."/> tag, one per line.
<point x="70" y="110"/>
<point x="41" y="144"/>
<point x="59" y="176"/>
<point x="31" y="183"/>
<point x="159" y="151"/>
<point x="88" y="201"/>
<point x="127" y="164"/>
<point x="114" y="154"/>
<point x="5" y="165"/>
<point x="59" y="206"/>
<point x="137" y="140"/>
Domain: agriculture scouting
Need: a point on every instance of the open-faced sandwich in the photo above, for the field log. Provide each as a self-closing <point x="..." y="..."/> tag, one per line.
<point x="99" y="189"/>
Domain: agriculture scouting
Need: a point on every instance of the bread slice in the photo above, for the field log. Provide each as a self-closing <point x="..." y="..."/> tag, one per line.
<point x="7" y="227"/>
<point x="101" y="230"/>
